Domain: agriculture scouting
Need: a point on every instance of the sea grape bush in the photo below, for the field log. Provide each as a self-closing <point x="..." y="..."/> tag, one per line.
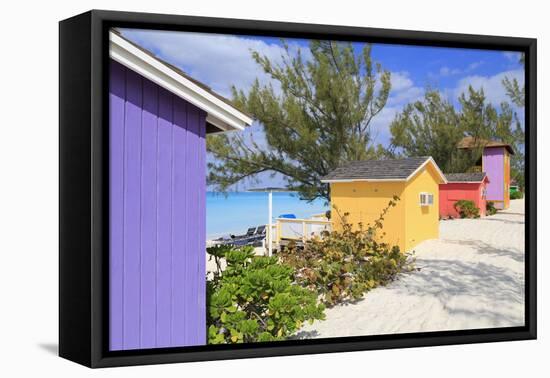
<point x="490" y="208"/>
<point x="466" y="209"/>
<point x="254" y="299"/>
<point x="344" y="264"/>
<point x="516" y="195"/>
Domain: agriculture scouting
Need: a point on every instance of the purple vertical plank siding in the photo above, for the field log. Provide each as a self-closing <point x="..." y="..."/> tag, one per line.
<point x="157" y="216"/>
<point x="195" y="186"/>
<point x="493" y="165"/>
<point x="180" y="175"/>
<point x="132" y="210"/>
<point x="191" y="214"/>
<point x="149" y="215"/>
<point x="164" y="217"/>
<point x="116" y="150"/>
<point x="200" y="300"/>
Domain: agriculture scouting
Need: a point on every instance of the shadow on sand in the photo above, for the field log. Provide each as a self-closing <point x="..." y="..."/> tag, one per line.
<point x="483" y="248"/>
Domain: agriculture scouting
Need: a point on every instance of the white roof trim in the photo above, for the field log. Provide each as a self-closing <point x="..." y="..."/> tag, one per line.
<point x="220" y="114"/>
<point x="366" y="180"/>
<point x="430" y="159"/>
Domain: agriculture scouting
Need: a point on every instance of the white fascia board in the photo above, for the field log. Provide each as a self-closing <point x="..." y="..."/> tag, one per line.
<point x="220" y="114"/>
<point x="362" y="180"/>
<point x="429" y="160"/>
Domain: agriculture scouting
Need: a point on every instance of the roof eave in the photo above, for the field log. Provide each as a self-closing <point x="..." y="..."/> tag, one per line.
<point x="219" y="113"/>
<point x="464" y="182"/>
<point x="427" y="161"/>
<point x="362" y="180"/>
<point x="434" y="164"/>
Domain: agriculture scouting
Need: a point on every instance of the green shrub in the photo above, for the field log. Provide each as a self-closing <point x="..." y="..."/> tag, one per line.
<point x="490" y="208"/>
<point x="516" y="195"/>
<point x="466" y="209"/>
<point x="254" y="299"/>
<point x="343" y="265"/>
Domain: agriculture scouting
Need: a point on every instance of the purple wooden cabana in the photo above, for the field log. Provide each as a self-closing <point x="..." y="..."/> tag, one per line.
<point x="495" y="162"/>
<point x="159" y="118"/>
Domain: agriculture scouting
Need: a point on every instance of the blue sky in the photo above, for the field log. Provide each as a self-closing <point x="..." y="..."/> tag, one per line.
<point x="224" y="60"/>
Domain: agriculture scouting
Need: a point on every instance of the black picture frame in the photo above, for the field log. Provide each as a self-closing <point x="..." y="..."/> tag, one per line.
<point x="83" y="196"/>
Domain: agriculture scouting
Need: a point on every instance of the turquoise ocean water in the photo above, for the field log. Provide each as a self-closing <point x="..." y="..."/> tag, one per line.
<point x="235" y="212"/>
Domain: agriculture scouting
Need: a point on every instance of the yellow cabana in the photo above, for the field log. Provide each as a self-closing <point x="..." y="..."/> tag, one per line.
<point x="364" y="188"/>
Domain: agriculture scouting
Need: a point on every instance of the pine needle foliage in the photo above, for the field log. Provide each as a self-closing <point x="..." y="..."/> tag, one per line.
<point x="316" y="114"/>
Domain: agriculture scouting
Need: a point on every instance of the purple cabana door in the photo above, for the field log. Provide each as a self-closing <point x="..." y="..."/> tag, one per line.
<point x="157" y="216"/>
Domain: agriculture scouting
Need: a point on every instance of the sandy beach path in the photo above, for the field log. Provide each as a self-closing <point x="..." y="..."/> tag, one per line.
<point x="471" y="277"/>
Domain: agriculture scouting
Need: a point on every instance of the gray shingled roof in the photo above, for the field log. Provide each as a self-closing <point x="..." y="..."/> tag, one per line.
<point x="391" y="169"/>
<point x="465" y="177"/>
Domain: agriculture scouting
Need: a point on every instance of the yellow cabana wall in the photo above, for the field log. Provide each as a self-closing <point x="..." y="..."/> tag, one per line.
<point x="364" y="201"/>
<point x="422" y="222"/>
<point x="406" y="224"/>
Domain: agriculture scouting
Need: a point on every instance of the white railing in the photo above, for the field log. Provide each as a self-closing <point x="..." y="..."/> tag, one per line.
<point x="298" y="229"/>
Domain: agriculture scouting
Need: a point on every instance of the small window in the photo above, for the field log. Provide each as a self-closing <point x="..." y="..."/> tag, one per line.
<point x="426" y="199"/>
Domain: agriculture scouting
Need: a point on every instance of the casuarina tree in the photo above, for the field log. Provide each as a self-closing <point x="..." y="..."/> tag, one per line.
<point x="433" y="126"/>
<point x="514" y="90"/>
<point x="314" y="114"/>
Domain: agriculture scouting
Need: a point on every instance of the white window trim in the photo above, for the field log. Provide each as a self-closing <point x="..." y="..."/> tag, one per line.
<point x="429" y="196"/>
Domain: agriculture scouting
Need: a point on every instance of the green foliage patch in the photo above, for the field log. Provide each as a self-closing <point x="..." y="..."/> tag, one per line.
<point x="433" y="126"/>
<point x="490" y="208"/>
<point x="516" y="195"/>
<point x="466" y="209"/>
<point x="318" y="118"/>
<point x="344" y="264"/>
<point x="254" y="299"/>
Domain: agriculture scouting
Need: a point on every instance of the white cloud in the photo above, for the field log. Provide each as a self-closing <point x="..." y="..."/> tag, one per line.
<point x="512" y="56"/>
<point x="217" y="60"/>
<point x="400" y="81"/>
<point x="224" y="60"/>
<point x="492" y="85"/>
<point x="404" y="92"/>
<point x="380" y="125"/>
<point x="474" y="65"/>
<point x="403" y="89"/>
<point x="446" y="71"/>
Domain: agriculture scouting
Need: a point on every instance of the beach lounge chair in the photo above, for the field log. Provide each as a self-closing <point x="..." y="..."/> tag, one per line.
<point x="240" y="238"/>
<point x="259" y="237"/>
<point x="260" y="231"/>
<point x="222" y="240"/>
<point x="250" y="232"/>
<point x="231" y="239"/>
<point x="253" y="239"/>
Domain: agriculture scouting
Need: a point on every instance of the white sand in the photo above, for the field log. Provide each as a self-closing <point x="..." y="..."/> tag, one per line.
<point x="471" y="277"/>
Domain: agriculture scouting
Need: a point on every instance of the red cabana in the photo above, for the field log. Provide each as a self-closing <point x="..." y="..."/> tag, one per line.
<point x="462" y="186"/>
